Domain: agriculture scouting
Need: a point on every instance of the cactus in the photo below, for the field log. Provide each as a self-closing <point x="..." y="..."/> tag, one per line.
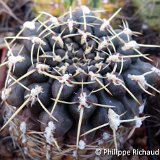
<point x="153" y="123"/>
<point x="74" y="85"/>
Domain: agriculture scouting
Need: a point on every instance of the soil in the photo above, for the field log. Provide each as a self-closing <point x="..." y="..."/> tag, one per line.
<point x="12" y="15"/>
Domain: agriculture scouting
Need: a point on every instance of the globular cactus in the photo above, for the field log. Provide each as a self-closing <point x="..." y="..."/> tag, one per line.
<point x="74" y="84"/>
